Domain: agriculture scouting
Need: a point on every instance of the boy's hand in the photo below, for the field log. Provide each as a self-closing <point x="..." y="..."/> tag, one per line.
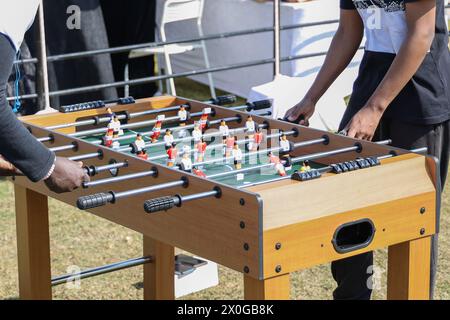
<point x="7" y="169"/>
<point x="364" y="123"/>
<point x="301" y="112"/>
<point x="67" y="176"/>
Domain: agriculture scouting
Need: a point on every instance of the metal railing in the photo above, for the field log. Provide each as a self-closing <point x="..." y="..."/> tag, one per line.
<point x="42" y="95"/>
<point x="276" y="60"/>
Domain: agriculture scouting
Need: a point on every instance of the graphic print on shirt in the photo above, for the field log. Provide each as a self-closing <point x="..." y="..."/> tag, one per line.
<point x="386" y="5"/>
<point x="384" y="23"/>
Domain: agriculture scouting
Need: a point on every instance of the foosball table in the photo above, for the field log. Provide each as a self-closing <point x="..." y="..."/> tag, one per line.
<point x="260" y="196"/>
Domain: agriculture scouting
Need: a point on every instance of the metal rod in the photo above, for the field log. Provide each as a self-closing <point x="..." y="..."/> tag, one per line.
<point x="86" y="156"/>
<point x="97" y="183"/>
<point x="63" y="148"/>
<point x="276" y="37"/>
<point x="254" y="153"/>
<point x="158" y="187"/>
<point x="198" y="196"/>
<point x="294" y="160"/>
<point x="220" y="146"/>
<point x="44" y="96"/>
<point x="93" y="170"/>
<point x="101" y="270"/>
<point x="163" y="131"/>
<point x="131" y="116"/>
<point x="164" y="77"/>
<point x="121" y="49"/>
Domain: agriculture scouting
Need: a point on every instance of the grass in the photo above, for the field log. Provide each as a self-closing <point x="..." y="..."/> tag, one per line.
<point x="84" y="240"/>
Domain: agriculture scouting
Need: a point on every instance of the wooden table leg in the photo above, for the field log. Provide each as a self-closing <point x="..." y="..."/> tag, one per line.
<point x="277" y="288"/>
<point x="159" y="275"/>
<point x="33" y="245"/>
<point x="409" y="270"/>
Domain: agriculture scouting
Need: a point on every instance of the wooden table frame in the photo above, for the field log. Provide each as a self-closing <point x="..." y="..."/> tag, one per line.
<point x="265" y="266"/>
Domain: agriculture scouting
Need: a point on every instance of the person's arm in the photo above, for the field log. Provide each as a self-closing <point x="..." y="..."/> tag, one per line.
<point x="343" y="47"/>
<point x="421" y="21"/>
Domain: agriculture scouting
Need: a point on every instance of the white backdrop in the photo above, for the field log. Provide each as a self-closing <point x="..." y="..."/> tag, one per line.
<point x="234" y="15"/>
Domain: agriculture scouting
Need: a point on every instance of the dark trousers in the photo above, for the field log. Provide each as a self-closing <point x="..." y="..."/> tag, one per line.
<point x="16" y="143"/>
<point x="353" y="275"/>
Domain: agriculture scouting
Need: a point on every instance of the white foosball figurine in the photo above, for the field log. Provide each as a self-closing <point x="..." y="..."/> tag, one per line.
<point x="115" y="126"/>
<point x="168" y="139"/>
<point x="224" y="130"/>
<point x="238" y="156"/>
<point x="250" y="126"/>
<point x="186" y="162"/>
<point x="197" y="133"/>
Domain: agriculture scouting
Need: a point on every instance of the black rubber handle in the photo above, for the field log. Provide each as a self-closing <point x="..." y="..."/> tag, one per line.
<point x="126" y="100"/>
<point x="259" y="105"/>
<point x="94" y="201"/>
<point x="296" y="121"/>
<point x="224" y="100"/>
<point x="161" y="204"/>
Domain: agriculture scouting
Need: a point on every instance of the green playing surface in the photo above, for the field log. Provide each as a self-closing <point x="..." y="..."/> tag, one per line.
<point x="234" y="180"/>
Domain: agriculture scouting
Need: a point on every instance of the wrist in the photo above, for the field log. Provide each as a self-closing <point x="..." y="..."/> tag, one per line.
<point x="50" y="172"/>
<point x="376" y="105"/>
<point x="311" y="99"/>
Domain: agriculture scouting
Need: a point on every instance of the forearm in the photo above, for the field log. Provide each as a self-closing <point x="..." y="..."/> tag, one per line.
<point x="421" y="25"/>
<point x="21" y="149"/>
<point x="343" y="48"/>
<point x="17" y="145"/>
<point x="405" y="65"/>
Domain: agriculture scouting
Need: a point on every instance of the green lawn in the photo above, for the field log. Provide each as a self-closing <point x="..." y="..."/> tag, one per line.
<point x="81" y="239"/>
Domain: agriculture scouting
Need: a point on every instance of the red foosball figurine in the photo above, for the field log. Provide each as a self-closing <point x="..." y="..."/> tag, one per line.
<point x="157" y="128"/>
<point x="200" y="150"/>
<point x="108" y="138"/>
<point x="199" y="173"/>
<point x="203" y="123"/>
<point x="277" y="164"/>
<point x="142" y="154"/>
<point x="172" y="154"/>
<point x="257" y="140"/>
<point x="229" y="145"/>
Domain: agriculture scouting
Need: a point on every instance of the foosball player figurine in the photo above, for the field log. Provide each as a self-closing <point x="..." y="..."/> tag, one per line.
<point x="237" y="155"/>
<point x="250" y="126"/>
<point x="197" y="133"/>
<point x="199" y="172"/>
<point x="186" y="162"/>
<point x="168" y="139"/>
<point x="172" y="154"/>
<point x="305" y="166"/>
<point x="224" y="130"/>
<point x="142" y="154"/>
<point x="110" y="113"/>
<point x="229" y="145"/>
<point x="183" y="116"/>
<point x="204" y="119"/>
<point x="139" y="144"/>
<point x="286" y="147"/>
<point x="114" y="125"/>
<point x="257" y="140"/>
<point x="156" y="131"/>
<point x="200" y="150"/>
<point x="108" y="138"/>
<point x="279" y="167"/>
